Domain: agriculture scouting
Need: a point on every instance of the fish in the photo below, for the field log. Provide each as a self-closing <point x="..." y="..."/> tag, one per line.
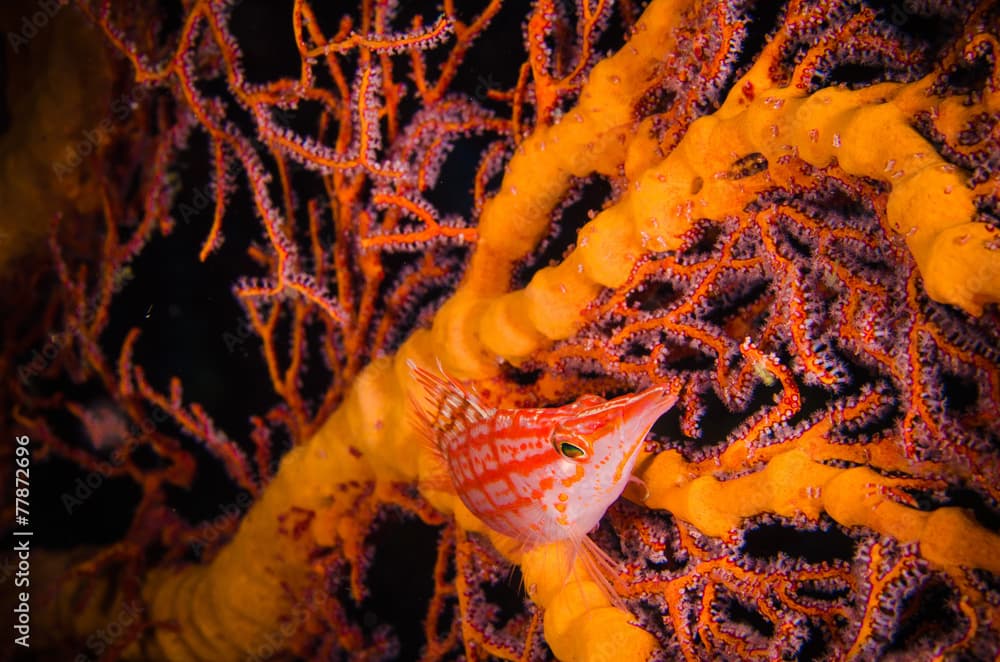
<point x="539" y="475"/>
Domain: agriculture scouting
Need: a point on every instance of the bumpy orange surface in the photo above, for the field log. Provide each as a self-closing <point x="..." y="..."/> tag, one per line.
<point x="866" y="131"/>
<point x="706" y="182"/>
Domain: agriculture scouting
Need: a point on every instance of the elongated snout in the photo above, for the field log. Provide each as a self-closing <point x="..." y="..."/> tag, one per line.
<point x="640" y="410"/>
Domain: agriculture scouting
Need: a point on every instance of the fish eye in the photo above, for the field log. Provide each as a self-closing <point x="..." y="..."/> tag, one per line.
<point x="569" y="446"/>
<point x="570" y="450"/>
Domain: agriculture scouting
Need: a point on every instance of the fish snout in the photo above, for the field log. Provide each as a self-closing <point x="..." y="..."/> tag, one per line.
<point x="641" y="410"/>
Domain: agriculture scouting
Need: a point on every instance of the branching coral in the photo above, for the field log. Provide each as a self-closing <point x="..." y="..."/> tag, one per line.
<point x="805" y="236"/>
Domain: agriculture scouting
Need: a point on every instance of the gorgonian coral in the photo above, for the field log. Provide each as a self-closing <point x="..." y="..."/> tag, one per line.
<point x="791" y="210"/>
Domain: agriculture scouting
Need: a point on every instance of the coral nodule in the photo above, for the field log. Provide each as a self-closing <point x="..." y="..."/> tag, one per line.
<point x="789" y="213"/>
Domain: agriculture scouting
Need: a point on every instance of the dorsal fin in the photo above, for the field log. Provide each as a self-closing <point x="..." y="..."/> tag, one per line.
<point x="447" y="406"/>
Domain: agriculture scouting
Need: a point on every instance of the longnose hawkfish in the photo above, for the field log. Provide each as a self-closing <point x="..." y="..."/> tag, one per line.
<point x="540" y="475"/>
